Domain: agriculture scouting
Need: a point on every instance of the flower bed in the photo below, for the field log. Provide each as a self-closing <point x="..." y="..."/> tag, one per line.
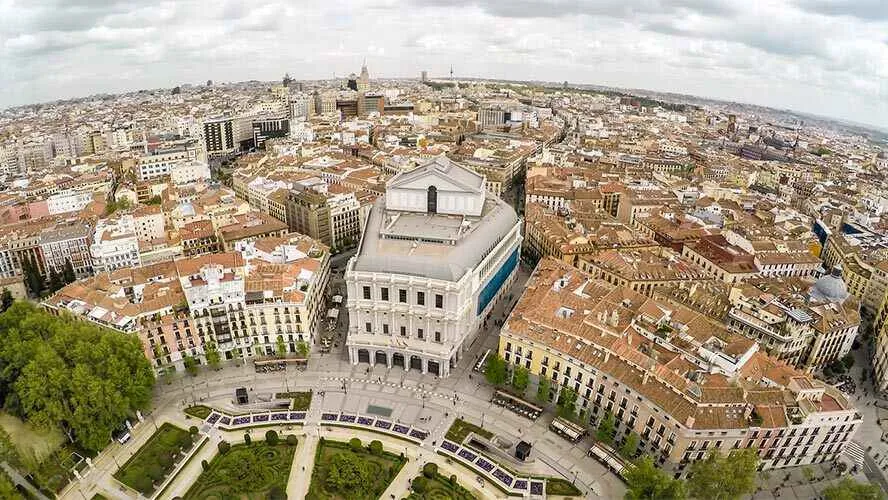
<point x="297" y="416"/>
<point x="260" y="418"/>
<point x="347" y="418"/>
<point x="484" y="464"/>
<point x="382" y="424"/>
<point x="279" y="416"/>
<point x="213" y="418"/>
<point x="400" y="429"/>
<point x="468" y="455"/>
<point x="505" y="478"/>
<point x="365" y="421"/>
<point x="328" y="417"/>
<point x="447" y="445"/>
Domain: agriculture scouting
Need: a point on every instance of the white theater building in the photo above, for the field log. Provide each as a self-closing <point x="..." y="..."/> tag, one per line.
<point x="435" y="256"/>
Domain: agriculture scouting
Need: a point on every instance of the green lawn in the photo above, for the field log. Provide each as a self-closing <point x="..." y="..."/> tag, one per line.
<point x="32" y="444"/>
<point x="440" y="488"/>
<point x="461" y="429"/>
<point x="341" y="473"/>
<point x="199" y="411"/>
<point x="301" y="400"/>
<point x="246" y="471"/>
<point x="155" y="459"/>
<point x="562" y="487"/>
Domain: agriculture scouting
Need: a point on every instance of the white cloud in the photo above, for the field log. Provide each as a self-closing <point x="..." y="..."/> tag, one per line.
<point x="822" y="56"/>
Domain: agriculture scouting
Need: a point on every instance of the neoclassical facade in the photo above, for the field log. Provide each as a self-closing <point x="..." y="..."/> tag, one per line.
<point x="435" y="257"/>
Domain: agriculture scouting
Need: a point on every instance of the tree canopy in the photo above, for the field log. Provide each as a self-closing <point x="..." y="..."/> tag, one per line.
<point x="849" y="489"/>
<point x="58" y="372"/>
<point x="348" y="473"/>
<point x="724" y="477"/>
<point x="495" y="371"/>
<point x="520" y="378"/>
<point x="606" y="429"/>
<point x="646" y="482"/>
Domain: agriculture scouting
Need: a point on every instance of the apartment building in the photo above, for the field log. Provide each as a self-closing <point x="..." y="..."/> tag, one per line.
<point x="69" y="241"/>
<point x="161" y="162"/>
<point x="115" y="244"/>
<point x="679" y="380"/>
<point x="244" y="302"/>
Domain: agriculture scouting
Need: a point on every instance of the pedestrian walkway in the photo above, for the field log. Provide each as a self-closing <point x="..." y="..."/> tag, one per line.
<point x="855" y="453"/>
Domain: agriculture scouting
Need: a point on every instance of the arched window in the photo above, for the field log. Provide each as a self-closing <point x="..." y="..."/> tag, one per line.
<point x="432" y="199"/>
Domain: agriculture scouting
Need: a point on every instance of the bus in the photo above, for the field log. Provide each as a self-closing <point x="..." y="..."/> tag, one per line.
<point x="567" y="429"/>
<point x="610" y="459"/>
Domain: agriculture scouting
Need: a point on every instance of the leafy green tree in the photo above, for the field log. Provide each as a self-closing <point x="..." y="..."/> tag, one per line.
<point x="520" y="378"/>
<point x="70" y="375"/>
<point x="376" y="447"/>
<point x="68" y="274"/>
<point x="190" y="365"/>
<point x="495" y="371"/>
<point x="303" y="348"/>
<point x="646" y="482"/>
<point x="348" y="474"/>
<point x="545" y="386"/>
<point x="7" y="488"/>
<point x="33" y="277"/>
<point x="55" y="281"/>
<point x="849" y="489"/>
<point x="271" y="437"/>
<point x="724" y="477"/>
<point x="6" y="300"/>
<point x="567" y="402"/>
<point x="212" y="354"/>
<point x="606" y="429"/>
<point x="281" y="346"/>
<point x="630" y="445"/>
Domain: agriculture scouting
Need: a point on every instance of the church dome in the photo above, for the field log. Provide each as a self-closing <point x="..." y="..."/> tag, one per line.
<point x="830" y="287"/>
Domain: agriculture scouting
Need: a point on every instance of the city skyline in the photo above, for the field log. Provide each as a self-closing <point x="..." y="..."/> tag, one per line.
<point x="825" y="58"/>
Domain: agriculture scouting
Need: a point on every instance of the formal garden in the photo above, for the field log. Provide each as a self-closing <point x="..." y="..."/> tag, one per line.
<point x="301" y="401"/>
<point x="252" y="470"/>
<point x="433" y="486"/>
<point x="154" y="461"/>
<point x="198" y="411"/>
<point x="460" y="430"/>
<point x="351" y="471"/>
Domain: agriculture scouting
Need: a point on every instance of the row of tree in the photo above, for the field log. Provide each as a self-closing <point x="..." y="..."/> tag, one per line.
<point x="724" y="477"/>
<point x="69" y="374"/>
<point x="36" y="282"/>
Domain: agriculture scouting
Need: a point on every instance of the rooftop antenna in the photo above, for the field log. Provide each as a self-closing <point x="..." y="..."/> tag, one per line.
<point x="451" y="72"/>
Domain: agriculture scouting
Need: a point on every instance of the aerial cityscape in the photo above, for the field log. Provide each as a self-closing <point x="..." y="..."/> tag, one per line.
<point x="439" y="285"/>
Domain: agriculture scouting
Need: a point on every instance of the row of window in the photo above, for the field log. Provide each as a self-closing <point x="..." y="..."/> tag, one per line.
<point x="402" y="296"/>
<point x="420" y="333"/>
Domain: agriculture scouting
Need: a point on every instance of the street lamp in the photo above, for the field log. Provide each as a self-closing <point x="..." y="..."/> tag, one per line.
<point x="575" y="477"/>
<point x="482" y="419"/>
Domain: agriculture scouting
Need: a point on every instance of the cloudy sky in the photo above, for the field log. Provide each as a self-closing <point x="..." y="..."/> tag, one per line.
<point x="823" y="56"/>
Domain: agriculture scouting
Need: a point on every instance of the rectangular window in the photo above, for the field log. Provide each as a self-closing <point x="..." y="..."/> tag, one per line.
<point x="385" y="293"/>
<point x="437" y="336"/>
<point x="385" y="329"/>
<point x="420" y="298"/>
<point x="402" y="296"/>
<point x="368" y="327"/>
<point x="439" y="301"/>
<point x="367" y="293"/>
<point x="403" y="331"/>
<point x="420" y="334"/>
